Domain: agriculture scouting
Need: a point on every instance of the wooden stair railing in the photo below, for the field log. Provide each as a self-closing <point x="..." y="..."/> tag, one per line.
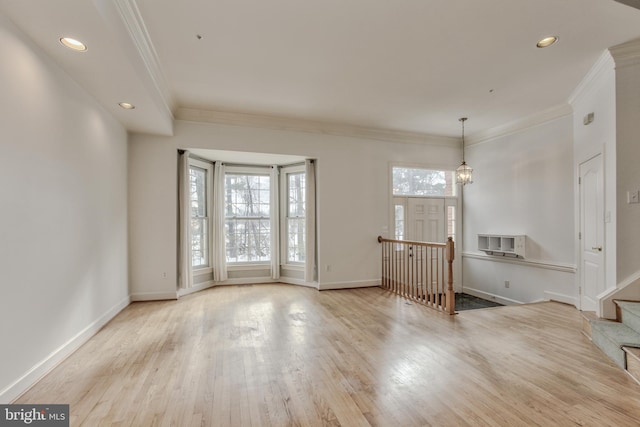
<point x="416" y="270"/>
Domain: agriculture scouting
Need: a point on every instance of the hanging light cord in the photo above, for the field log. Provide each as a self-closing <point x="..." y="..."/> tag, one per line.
<point x="463" y="119"/>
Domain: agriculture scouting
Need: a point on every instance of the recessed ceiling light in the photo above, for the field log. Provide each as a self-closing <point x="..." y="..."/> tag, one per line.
<point x="547" y="41"/>
<point x="127" y="106"/>
<point x="73" y="44"/>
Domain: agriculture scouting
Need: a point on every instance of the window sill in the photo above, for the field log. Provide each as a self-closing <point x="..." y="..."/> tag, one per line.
<point x="245" y="267"/>
<point x="202" y="271"/>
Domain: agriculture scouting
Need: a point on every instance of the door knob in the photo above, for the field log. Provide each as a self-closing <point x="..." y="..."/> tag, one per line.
<point x="597" y="248"/>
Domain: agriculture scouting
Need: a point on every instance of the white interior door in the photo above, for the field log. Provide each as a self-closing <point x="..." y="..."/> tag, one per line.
<point x="426" y="220"/>
<point x="592" y="281"/>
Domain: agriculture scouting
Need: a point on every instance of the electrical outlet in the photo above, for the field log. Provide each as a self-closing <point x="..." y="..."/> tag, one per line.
<point x="164" y="274"/>
<point x="506" y="283"/>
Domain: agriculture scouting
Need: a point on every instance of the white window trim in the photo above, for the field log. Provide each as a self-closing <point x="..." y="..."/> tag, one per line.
<point x="284" y="198"/>
<point x="249" y="170"/>
<point x="204" y="269"/>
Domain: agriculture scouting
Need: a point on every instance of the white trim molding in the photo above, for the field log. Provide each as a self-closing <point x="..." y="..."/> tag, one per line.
<point x="247" y="281"/>
<point x="154" y="296"/>
<point x="566" y="299"/>
<point x="604" y="64"/>
<point x="626" y="54"/>
<point x="311" y="126"/>
<point x="628" y="289"/>
<point x="349" y="285"/>
<point x="22" y="384"/>
<point x="298" y="282"/>
<point x="196" y="288"/>
<point x="519" y="125"/>
<point x="132" y="19"/>
<point x="547" y="265"/>
<point x="490" y="297"/>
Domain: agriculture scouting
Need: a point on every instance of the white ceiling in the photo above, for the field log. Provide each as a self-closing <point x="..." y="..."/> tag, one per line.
<point x="403" y="65"/>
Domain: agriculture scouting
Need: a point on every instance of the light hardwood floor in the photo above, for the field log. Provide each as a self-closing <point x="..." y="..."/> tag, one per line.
<point x="278" y="355"/>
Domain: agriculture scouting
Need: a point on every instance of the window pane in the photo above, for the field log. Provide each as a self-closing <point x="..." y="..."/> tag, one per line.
<point x="198" y="183"/>
<point x="423" y="182"/>
<point x="199" y="220"/>
<point x="451" y="222"/>
<point x="199" y="242"/>
<point x="296" y="217"/>
<point x="399" y="221"/>
<point x="247" y="223"/>
<point x="296" y="190"/>
<point x="296" y="240"/>
<point x="247" y="195"/>
<point x="248" y="240"/>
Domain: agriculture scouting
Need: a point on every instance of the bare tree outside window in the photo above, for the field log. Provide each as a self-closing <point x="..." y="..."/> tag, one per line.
<point x="296" y="221"/>
<point x="247" y="218"/>
<point x="199" y="217"/>
<point x="422" y="182"/>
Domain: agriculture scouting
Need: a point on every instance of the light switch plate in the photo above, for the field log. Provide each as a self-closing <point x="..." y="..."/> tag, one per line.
<point x="633" y="197"/>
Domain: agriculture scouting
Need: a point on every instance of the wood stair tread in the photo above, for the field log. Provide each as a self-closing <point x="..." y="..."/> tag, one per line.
<point x="632" y="355"/>
<point x="632" y="351"/>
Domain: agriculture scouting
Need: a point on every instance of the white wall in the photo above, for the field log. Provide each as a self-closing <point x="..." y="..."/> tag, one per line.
<point x="63" y="214"/>
<point x="352" y="195"/>
<point x="596" y="95"/>
<point x="523" y="184"/>
<point x="628" y="171"/>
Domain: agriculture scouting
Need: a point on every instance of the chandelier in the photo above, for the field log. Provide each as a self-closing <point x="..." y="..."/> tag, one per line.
<point x="464" y="171"/>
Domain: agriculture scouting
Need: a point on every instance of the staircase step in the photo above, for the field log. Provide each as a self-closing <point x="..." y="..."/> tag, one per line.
<point x="633" y="362"/>
<point x="630" y="313"/>
<point x="611" y="337"/>
<point x="587" y="317"/>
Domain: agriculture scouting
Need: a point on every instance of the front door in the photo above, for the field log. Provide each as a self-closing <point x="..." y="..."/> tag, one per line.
<point x="426" y="221"/>
<point x="592" y="281"/>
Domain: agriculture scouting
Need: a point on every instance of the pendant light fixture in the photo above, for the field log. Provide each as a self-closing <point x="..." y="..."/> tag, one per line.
<point x="464" y="172"/>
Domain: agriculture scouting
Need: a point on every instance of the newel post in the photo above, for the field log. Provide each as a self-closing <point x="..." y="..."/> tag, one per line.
<point x="451" y="296"/>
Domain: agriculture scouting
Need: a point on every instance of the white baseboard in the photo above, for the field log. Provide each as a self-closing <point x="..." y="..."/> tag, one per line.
<point x="298" y="282"/>
<point x="567" y="299"/>
<point x="246" y="281"/>
<point x="33" y="375"/>
<point x="490" y="296"/>
<point x="197" y="288"/>
<point x="153" y="296"/>
<point x="349" y="285"/>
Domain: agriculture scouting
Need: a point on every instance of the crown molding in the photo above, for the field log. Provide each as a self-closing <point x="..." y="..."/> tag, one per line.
<point x="311" y="126"/>
<point x="519" y="125"/>
<point x="630" y="3"/>
<point x="626" y="54"/>
<point x="130" y="16"/>
<point x="603" y="65"/>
